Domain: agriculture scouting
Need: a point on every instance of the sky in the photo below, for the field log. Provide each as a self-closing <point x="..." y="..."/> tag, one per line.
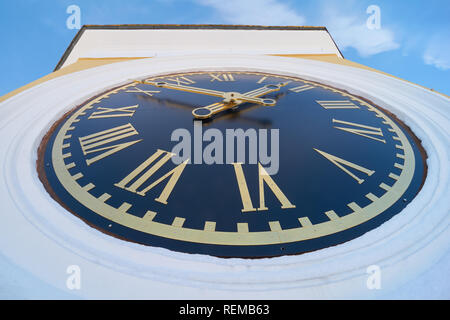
<point x="411" y="40"/>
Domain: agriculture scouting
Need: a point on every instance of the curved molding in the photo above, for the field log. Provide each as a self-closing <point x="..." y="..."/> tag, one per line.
<point x="42" y="238"/>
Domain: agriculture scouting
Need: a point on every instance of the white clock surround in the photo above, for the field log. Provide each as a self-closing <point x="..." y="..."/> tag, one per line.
<point x="41" y="237"/>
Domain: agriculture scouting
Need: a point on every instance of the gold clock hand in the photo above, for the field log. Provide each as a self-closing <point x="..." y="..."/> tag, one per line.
<point x="210" y="110"/>
<point x="227" y="96"/>
<point x="163" y="84"/>
<point x="266" y="89"/>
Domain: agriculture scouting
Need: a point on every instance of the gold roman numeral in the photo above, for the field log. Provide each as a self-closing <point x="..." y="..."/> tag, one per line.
<point x="221" y="77"/>
<point x="264" y="177"/>
<point x="302" y="88"/>
<point x="113" y="112"/>
<point x="368" y="133"/>
<point x="337" y="104"/>
<point x="135" y="181"/>
<point x="100" y="141"/>
<point x="340" y="163"/>
<point x="262" y="79"/>
<point x="181" y="80"/>
<point x="146" y="92"/>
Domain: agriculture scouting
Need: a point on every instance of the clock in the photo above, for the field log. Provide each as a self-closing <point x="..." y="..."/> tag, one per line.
<point x="271" y="164"/>
<point x="341" y="188"/>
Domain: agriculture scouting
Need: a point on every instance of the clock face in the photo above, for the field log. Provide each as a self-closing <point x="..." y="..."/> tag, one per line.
<point x="270" y="165"/>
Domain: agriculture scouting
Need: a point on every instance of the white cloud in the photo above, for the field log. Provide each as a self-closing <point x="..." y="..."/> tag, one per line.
<point x="348" y="27"/>
<point x="260" y="12"/>
<point x="350" y="30"/>
<point x="437" y="53"/>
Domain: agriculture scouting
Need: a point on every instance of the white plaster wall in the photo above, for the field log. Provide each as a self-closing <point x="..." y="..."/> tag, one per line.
<point x="96" y="43"/>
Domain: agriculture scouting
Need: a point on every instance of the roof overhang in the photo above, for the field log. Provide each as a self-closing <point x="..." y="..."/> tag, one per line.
<point x="132" y="41"/>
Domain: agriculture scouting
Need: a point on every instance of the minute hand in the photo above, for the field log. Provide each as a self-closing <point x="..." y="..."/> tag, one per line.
<point x="227" y="96"/>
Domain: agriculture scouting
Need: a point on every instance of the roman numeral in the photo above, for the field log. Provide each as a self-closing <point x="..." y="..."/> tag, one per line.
<point x="135" y="182"/>
<point x="262" y="79"/>
<point x="181" y="80"/>
<point x="100" y="141"/>
<point x="302" y="88"/>
<point x="146" y="92"/>
<point x="113" y="112"/>
<point x="368" y="133"/>
<point x="264" y="178"/>
<point x="222" y="77"/>
<point x="337" y="104"/>
<point x="340" y="163"/>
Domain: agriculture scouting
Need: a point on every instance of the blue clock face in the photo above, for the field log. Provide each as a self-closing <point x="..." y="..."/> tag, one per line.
<point x="231" y="164"/>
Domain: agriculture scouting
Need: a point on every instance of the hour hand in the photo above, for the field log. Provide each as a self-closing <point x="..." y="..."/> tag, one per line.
<point x="209" y="110"/>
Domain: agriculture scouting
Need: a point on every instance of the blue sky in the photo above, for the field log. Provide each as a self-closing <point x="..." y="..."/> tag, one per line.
<point x="413" y="42"/>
